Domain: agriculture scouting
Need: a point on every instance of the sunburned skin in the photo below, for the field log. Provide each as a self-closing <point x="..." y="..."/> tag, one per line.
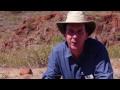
<point x="75" y="37"/>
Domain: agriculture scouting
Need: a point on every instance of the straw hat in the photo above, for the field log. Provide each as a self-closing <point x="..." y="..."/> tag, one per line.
<point x="76" y="17"/>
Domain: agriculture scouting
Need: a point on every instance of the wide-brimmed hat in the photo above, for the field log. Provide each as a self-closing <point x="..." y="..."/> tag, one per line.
<point x="76" y="17"/>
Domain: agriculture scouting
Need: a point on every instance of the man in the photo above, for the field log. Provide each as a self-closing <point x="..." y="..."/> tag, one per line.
<point x="79" y="57"/>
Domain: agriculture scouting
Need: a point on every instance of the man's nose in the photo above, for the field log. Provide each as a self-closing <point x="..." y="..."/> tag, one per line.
<point x="75" y="35"/>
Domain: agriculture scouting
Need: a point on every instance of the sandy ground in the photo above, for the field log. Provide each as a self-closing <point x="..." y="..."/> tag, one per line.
<point x="12" y="73"/>
<point x="116" y="68"/>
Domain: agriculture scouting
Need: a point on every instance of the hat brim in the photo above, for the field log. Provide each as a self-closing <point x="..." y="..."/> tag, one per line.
<point x="90" y="26"/>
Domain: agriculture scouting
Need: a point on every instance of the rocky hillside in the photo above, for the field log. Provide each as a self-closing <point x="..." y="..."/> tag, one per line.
<point x="42" y="28"/>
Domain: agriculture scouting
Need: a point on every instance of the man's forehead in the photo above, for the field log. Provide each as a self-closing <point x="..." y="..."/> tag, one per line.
<point x="76" y="24"/>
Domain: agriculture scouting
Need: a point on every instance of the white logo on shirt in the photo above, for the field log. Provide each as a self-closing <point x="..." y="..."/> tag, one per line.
<point x="89" y="76"/>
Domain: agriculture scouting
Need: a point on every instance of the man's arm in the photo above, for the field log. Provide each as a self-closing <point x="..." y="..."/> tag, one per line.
<point x="103" y="68"/>
<point x="52" y="71"/>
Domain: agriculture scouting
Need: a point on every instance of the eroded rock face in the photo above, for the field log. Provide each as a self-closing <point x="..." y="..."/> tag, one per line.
<point x="43" y="28"/>
<point x="106" y="30"/>
<point x="33" y="30"/>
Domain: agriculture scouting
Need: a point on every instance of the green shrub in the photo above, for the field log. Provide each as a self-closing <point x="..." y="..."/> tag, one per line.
<point x="34" y="56"/>
<point x="98" y="19"/>
<point x="114" y="51"/>
<point x="57" y="39"/>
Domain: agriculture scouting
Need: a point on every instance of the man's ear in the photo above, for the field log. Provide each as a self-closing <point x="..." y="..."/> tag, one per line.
<point x="87" y="36"/>
<point x="64" y="36"/>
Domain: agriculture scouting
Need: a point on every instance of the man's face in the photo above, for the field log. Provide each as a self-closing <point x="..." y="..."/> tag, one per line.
<point x="75" y="36"/>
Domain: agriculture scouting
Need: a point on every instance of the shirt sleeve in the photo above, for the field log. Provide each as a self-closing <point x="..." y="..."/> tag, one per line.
<point x="53" y="71"/>
<point x="103" y="69"/>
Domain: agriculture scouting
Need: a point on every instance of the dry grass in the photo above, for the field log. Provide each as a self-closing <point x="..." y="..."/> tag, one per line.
<point x="37" y="55"/>
<point x="25" y="57"/>
<point x="34" y="56"/>
<point x="114" y="51"/>
<point x="13" y="73"/>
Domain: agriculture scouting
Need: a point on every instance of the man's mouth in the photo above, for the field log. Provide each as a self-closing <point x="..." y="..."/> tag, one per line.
<point x="74" y="43"/>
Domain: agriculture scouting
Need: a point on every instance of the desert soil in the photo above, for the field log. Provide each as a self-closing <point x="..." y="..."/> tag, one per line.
<point x="14" y="73"/>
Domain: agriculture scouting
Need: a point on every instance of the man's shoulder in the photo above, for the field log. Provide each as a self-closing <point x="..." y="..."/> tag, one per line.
<point x="59" y="46"/>
<point x="95" y="43"/>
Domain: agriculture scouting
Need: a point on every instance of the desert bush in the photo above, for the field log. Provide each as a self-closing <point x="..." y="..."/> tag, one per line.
<point x="35" y="56"/>
<point x="57" y="39"/>
<point x="98" y="19"/>
<point x="117" y="36"/>
<point x="114" y="51"/>
<point x="23" y="58"/>
<point x="4" y="36"/>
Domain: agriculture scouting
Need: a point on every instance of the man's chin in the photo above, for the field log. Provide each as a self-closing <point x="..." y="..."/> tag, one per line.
<point x="74" y="48"/>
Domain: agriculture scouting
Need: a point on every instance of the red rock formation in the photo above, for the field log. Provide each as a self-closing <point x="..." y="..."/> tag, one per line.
<point x="43" y="28"/>
<point x="25" y="71"/>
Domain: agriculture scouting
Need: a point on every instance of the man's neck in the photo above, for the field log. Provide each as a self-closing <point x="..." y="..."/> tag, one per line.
<point x="77" y="53"/>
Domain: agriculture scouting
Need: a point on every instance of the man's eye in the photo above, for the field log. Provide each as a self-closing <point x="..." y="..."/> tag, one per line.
<point x="70" y="31"/>
<point x="79" y="32"/>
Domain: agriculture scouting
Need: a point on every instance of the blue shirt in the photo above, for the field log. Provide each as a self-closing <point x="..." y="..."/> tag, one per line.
<point x="93" y="63"/>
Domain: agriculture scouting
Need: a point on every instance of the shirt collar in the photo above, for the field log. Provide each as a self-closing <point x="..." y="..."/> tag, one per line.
<point x="67" y="50"/>
<point x="69" y="54"/>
